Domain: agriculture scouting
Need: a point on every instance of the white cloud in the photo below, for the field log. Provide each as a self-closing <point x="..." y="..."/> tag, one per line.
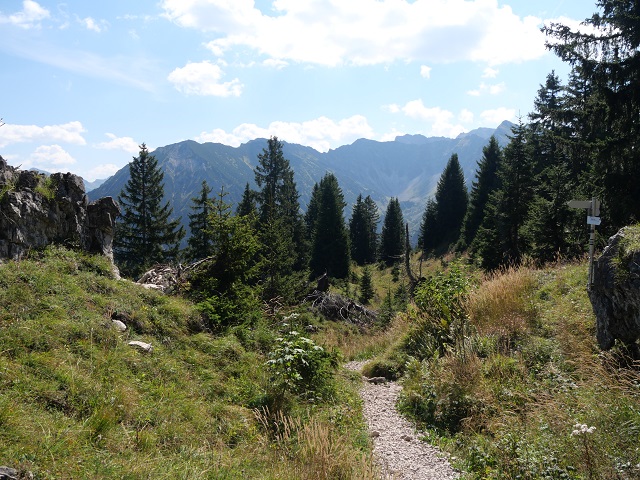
<point x="119" y="143"/>
<point x="136" y="71"/>
<point x="365" y="32"/>
<point x="30" y="17"/>
<point x="425" y="71"/>
<point x="69" y="133"/>
<point x="90" y="24"/>
<point x="203" y="79"/>
<point x="490" y="72"/>
<point x="492" y="118"/>
<point x="103" y="170"/>
<point x="497" y="88"/>
<point x="440" y="121"/>
<point x="51" y="158"/>
<point x="321" y="133"/>
<point x="275" y="63"/>
<point x="391" y="108"/>
<point x="491" y="89"/>
<point x="465" y="116"/>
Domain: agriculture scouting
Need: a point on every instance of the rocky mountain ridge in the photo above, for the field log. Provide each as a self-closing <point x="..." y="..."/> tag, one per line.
<point x="408" y="168"/>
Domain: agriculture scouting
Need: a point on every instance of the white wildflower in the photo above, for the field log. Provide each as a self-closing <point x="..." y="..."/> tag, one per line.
<point x="582" y="429"/>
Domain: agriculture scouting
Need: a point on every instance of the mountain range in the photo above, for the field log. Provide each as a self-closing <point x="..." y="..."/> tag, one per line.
<point x="408" y="168"/>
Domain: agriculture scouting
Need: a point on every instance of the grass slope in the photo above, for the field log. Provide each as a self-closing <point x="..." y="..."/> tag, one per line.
<point x="525" y="392"/>
<point x="76" y="401"/>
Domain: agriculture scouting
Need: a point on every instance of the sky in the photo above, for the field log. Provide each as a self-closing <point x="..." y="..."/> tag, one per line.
<point x="83" y="84"/>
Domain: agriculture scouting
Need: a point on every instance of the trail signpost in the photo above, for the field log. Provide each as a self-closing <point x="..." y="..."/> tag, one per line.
<point x="593" y="218"/>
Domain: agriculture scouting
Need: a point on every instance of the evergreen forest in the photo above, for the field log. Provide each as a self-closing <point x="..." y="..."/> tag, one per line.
<point x="485" y="321"/>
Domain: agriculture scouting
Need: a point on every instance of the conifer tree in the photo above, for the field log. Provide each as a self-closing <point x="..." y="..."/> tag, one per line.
<point x="247" y="205"/>
<point x="144" y="234"/>
<point x="363" y="227"/>
<point x="311" y="215"/>
<point x="392" y="241"/>
<point x="485" y="182"/>
<point x="225" y="286"/>
<point x="199" y="244"/>
<point x="429" y="237"/>
<point x="281" y="226"/>
<point x="549" y="219"/>
<point x="450" y="205"/>
<point x="366" y="286"/>
<point x="501" y="232"/>
<point x="330" y="247"/>
<point x="606" y="61"/>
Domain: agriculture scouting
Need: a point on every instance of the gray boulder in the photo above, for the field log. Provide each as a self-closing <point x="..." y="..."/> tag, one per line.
<point x="8" y="473"/>
<point x="615" y="294"/>
<point x="36" y="210"/>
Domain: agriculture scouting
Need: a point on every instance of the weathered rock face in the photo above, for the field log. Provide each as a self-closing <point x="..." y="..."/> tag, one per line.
<point x="615" y="295"/>
<point x="36" y="211"/>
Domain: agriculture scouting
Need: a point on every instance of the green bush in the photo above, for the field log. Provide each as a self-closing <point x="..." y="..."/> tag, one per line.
<point x="301" y="367"/>
<point x="442" y="322"/>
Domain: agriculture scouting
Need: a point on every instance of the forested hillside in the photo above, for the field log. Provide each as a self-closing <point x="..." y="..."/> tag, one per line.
<point x="406" y="168"/>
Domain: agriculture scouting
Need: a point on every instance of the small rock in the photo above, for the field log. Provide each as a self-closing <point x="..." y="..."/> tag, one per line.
<point x="377" y="380"/>
<point x="119" y="325"/>
<point x="145" y="347"/>
<point x="7" y="473"/>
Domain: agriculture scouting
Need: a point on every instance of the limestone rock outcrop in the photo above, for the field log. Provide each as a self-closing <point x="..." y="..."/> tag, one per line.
<point x="615" y="294"/>
<point x="36" y="210"/>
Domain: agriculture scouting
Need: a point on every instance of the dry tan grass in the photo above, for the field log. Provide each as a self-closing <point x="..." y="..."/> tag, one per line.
<point x="502" y="306"/>
<point x="313" y="450"/>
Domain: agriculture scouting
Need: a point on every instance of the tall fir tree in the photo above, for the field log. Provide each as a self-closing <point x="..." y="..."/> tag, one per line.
<point x="450" y="207"/>
<point x="392" y="241"/>
<point x="311" y="215"/>
<point x="429" y="237"/>
<point x="225" y="286"/>
<point x="144" y="233"/>
<point x="607" y="63"/>
<point x="366" y="286"/>
<point x="199" y="244"/>
<point x="281" y="225"/>
<point x="485" y="182"/>
<point x="363" y="226"/>
<point x="247" y="205"/>
<point x="549" y="219"/>
<point x="500" y="240"/>
<point x="330" y="246"/>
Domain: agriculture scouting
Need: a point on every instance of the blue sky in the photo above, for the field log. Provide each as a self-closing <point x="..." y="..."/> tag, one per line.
<point x="84" y="83"/>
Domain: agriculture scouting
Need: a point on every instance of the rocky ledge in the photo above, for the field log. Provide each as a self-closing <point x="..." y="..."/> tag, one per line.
<point x="615" y="294"/>
<point x="37" y="210"/>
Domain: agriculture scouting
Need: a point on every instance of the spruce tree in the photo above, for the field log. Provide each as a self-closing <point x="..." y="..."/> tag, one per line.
<point x="199" y="243"/>
<point x="485" y="182"/>
<point x="330" y="247"/>
<point x="550" y="219"/>
<point x="500" y="240"/>
<point x="363" y="230"/>
<point x="429" y="237"/>
<point x="392" y="241"/>
<point x="366" y="286"/>
<point x="144" y="234"/>
<point x="448" y="207"/>
<point x="607" y="63"/>
<point x="281" y="226"/>
<point x="247" y="205"/>
<point x="225" y="286"/>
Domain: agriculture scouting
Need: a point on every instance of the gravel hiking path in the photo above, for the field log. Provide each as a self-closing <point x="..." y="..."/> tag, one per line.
<point x="396" y="444"/>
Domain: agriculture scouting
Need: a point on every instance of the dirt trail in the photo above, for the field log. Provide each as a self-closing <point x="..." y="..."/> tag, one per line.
<point x="396" y="445"/>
